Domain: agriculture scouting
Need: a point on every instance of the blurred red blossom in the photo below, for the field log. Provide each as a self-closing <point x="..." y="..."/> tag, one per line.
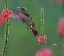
<point x="6" y="14"/>
<point x="58" y="1"/>
<point x="42" y="38"/>
<point x="0" y="55"/>
<point x="44" y="52"/>
<point x="60" y="27"/>
<point x="39" y="37"/>
<point x="1" y="19"/>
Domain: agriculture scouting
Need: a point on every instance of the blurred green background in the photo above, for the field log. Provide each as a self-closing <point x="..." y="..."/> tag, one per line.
<point x="22" y="42"/>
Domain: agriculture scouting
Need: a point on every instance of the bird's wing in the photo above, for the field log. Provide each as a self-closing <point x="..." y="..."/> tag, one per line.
<point x="16" y="16"/>
<point x="22" y="15"/>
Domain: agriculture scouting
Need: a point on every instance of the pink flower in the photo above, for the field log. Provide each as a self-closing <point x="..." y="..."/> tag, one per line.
<point x="1" y="19"/>
<point x="44" y="52"/>
<point x="42" y="38"/>
<point x="39" y="37"/>
<point x="0" y="55"/>
<point x="60" y="27"/>
<point x="58" y="1"/>
<point x="6" y="14"/>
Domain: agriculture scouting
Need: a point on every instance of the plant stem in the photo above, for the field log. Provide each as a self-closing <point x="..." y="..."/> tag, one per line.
<point x="6" y="32"/>
<point x="42" y="22"/>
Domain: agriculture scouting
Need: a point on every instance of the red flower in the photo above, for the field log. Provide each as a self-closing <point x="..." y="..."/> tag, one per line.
<point x="6" y="14"/>
<point x="1" y="19"/>
<point x="0" y="55"/>
<point x="44" y="52"/>
<point x="60" y="27"/>
<point x="42" y="38"/>
<point x="58" y="1"/>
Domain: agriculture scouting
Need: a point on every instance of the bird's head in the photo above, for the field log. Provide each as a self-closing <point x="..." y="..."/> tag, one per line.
<point x="23" y="9"/>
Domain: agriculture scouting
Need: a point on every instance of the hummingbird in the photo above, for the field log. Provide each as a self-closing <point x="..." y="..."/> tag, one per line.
<point x="25" y="18"/>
